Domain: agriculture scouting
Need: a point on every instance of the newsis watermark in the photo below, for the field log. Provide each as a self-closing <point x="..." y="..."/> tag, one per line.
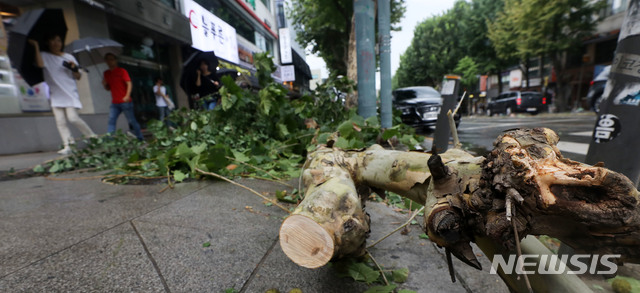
<point x="544" y="264"/>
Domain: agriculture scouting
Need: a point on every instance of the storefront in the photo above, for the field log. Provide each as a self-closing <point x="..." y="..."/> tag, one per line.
<point x="152" y="33"/>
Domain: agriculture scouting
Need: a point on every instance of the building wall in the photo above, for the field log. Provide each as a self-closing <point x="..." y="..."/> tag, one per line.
<point x="33" y="132"/>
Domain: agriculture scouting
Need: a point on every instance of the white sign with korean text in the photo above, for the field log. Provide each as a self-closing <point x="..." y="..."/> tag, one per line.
<point x="286" y="55"/>
<point x="210" y="33"/>
<point x="288" y="73"/>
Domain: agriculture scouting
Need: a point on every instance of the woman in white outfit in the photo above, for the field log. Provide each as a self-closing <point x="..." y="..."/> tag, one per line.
<point x="60" y="72"/>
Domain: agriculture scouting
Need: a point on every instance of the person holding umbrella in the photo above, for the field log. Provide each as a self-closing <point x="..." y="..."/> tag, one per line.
<point x="60" y="73"/>
<point x="117" y="81"/>
<point x="207" y="84"/>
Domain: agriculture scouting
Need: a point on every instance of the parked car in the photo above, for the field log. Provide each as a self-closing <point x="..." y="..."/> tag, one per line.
<point x="594" y="95"/>
<point x="517" y="101"/>
<point x="420" y="106"/>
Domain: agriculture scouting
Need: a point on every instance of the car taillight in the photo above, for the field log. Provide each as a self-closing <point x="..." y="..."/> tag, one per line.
<point x="544" y="100"/>
<point x="519" y="101"/>
<point x="592" y="82"/>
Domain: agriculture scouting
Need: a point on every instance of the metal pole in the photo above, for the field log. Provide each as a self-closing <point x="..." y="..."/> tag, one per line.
<point x="384" y="30"/>
<point x="365" y="42"/>
<point x="449" y="92"/>
<point x="615" y="139"/>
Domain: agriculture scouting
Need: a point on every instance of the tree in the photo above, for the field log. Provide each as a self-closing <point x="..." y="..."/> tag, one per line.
<point x="523" y="187"/>
<point x="559" y="26"/>
<point x="468" y="69"/>
<point x="440" y="43"/>
<point x="325" y="27"/>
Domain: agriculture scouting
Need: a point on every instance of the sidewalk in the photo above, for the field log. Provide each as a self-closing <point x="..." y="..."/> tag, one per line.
<point x="84" y="235"/>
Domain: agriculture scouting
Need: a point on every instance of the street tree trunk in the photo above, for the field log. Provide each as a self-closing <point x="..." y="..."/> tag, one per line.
<point x="523" y="187"/>
<point x="351" y="100"/>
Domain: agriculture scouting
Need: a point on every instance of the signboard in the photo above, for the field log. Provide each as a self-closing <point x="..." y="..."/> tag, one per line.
<point x="515" y="78"/>
<point x="210" y="33"/>
<point x="286" y="56"/>
<point x="615" y="139"/>
<point x="288" y="73"/>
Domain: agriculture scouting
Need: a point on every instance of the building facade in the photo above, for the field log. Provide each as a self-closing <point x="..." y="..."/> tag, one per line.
<point x="582" y="66"/>
<point x="156" y="39"/>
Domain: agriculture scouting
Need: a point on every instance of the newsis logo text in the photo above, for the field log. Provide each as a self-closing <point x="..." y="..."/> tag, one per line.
<point x="543" y="264"/>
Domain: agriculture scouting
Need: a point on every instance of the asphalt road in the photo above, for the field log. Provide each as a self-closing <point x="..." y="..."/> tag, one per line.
<point x="478" y="133"/>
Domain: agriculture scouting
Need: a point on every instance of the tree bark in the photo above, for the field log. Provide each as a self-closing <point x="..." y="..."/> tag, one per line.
<point x="524" y="180"/>
<point x="330" y="222"/>
<point x="351" y="100"/>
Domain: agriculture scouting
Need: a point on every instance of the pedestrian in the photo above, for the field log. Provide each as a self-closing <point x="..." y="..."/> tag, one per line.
<point x="163" y="102"/>
<point x="61" y="72"/>
<point x="116" y="79"/>
<point x="207" y="85"/>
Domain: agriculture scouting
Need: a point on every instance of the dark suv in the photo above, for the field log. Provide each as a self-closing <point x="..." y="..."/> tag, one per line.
<point x="420" y="106"/>
<point x="512" y="102"/>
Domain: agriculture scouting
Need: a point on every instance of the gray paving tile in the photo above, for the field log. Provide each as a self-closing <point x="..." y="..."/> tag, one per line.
<point x="113" y="261"/>
<point x="40" y="216"/>
<point x="238" y="226"/>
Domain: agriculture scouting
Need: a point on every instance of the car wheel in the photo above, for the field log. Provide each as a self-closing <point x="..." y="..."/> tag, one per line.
<point x="508" y="111"/>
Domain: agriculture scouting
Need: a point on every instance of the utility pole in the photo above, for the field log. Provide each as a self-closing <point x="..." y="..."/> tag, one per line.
<point x="615" y="139"/>
<point x="384" y="30"/>
<point x="365" y="44"/>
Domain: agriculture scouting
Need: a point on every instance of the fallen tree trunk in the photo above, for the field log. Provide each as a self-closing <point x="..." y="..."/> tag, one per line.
<point x="523" y="187"/>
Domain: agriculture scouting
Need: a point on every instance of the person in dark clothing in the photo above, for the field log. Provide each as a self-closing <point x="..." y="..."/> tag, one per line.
<point x="207" y="85"/>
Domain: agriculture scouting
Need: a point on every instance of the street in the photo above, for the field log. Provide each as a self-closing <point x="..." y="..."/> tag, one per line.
<point x="478" y="133"/>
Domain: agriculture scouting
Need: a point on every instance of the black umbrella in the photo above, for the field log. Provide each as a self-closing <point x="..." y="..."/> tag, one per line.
<point x="188" y="77"/>
<point x="33" y="24"/>
<point x="90" y="51"/>
<point x="227" y="71"/>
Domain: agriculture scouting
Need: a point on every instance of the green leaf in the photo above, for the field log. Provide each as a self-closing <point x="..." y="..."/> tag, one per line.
<point x="382" y="289"/>
<point x="184" y="152"/>
<point x="55" y="168"/>
<point x="361" y="272"/>
<point x="206" y="244"/>
<point x="341" y="143"/>
<point x="282" y="195"/>
<point x="283" y="129"/>
<point x="241" y="157"/>
<point x="198" y="149"/>
<point x="346" y="129"/>
<point x="179" y="176"/>
<point x="407" y="291"/>
<point x="194" y="126"/>
<point x="38" y="169"/>
<point x="389" y="133"/>
<point x="228" y="100"/>
<point x="401" y="275"/>
<point x="424" y="236"/>
<point x="373" y="121"/>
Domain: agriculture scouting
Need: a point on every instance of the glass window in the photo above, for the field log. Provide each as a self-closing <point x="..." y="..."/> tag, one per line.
<point x="170" y="3"/>
<point x="282" y="21"/>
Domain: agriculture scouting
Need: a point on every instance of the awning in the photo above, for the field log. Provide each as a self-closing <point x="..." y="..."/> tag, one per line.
<point x="301" y="65"/>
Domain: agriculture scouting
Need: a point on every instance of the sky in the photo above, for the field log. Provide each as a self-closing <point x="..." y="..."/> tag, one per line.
<point x="417" y="11"/>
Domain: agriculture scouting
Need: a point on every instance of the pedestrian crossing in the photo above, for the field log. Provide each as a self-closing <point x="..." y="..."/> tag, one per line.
<point x="575" y="147"/>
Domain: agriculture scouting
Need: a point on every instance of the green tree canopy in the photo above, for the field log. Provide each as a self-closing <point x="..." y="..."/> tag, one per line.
<point x="440" y="42"/>
<point x="468" y="69"/>
<point x="547" y="28"/>
<point x="325" y="25"/>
